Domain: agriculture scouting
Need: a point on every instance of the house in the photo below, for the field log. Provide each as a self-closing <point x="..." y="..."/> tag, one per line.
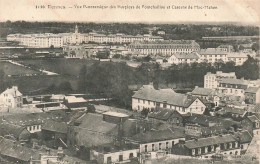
<point x="34" y="121"/>
<point x="188" y="58"/>
<point x="149" y="97"/>
<point x="251" y="123"/>
<point x="166" y="115"/>
<point x="233" y="87"/>
<point x="209" y="121"/>
<point x="12" y="97"/>
<point x="212" y="55"/>
<point x="227" y="48"/>
<point x="91" y="130"/>
<point x="211" y="80"/>
<point x="53" y="130"/>
<point x="203" y="93"/>
<point x="16" y="153"/>
<point x="161" y="32"/>
<point x="111" y="153"/>
<point x="157" y="141"/>
<point x="252" y="95"/>
<point x="75" y="103"/>
<point x="237" y="58"/>
<point x="196" y="130"/>
<point x="235" y="113"/>
<point x="16" y="132"/>
<point x="244" y="138"/>
<point x="223" y="144"/>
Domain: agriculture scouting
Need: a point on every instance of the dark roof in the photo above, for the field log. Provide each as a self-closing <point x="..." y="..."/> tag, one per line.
<point x="157" y="135"/>
<point x="15" y="130"/>
<point x="147" y="92"/>
<point x="212" y="51"/>
<point x="163" y="114"/>
<point x="26" y="119"/>
<point x="244" y="136"/>
<point x="232" y="111"/>
<point x="202" y="91"/>
<point x="10" y="149"/>
<point x="93" y="131"/>
<point x="202" y="142"/>
<point x="54" y="126"/>
<point x="205" y="120"/>
<point x="252" y="89"/>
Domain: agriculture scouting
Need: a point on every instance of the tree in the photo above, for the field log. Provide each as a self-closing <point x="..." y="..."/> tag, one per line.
<point x="82" y="83"/>
<point x="145" y="112"/>
<point x="52" y="47"/>
<point x="91" y="108"/>
<point x="255" y="47"/>
<point x="65" y="87"/>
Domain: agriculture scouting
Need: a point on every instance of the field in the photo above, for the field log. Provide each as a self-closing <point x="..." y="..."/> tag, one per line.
<point x="61" y="66"/>
<point x="11" y="69"/>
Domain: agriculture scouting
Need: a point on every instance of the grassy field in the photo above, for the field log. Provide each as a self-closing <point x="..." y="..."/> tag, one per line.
<point x="11" y="69"/>
<point x="61" y="66"/>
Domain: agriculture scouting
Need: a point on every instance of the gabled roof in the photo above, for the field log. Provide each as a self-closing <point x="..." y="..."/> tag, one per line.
<point x="54" y="126"/>
<point x="164" y="114"/>
<point x="202" y="91"/>
<point x="202" y="142"/>
<point x="13" y="91"/>
<point x="147" y="92"/>
<point x="10" y="149"/>
<point x="157" y="135"/>
<point x="15" y="130"/>
<point x="252" y="89"/>
<point x="232" y="111"/>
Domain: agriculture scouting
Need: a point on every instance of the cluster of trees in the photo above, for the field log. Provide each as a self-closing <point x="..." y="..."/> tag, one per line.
<point x="113" y="79"/>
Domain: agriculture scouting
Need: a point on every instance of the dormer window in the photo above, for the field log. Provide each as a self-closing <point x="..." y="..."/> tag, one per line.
<point x="257" y="124"/>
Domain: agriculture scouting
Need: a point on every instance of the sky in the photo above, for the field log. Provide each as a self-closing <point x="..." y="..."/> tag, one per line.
<point x="239" y="11"/>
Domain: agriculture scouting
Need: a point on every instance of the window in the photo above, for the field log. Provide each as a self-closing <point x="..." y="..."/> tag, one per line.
<point x="138" y="100"/>
<point x="109" y="160"/>
<point x="160" y="146"/>
<point x="172" y="143"/>
<point x="167" y="145"/>
<point x="149" y="102"/>
<point x="120" y="157"/>
<point x="131" y="155"/>
<point x="152" y="147"/>
<point x="164" y="105"/>
<point x="143" y="101"/>
<point x="145" y="148"/>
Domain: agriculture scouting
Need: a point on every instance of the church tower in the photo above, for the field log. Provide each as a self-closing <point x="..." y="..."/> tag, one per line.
<point x="76" y="29"/>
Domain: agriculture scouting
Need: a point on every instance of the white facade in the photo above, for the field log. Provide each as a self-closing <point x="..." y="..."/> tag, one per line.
<point x="238" y="58"/>
<point x="212" y="80"/>
<point x="195" y="107"/>
<point x="184" y="58"/>
<point x="34" y="128"/>
<point x="11" y="97"/>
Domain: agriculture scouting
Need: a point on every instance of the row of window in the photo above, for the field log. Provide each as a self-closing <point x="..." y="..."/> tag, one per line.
<point x="159" y="146"/>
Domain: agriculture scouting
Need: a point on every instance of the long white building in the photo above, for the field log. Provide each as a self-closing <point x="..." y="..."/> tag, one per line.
<point x="58" y="40"/>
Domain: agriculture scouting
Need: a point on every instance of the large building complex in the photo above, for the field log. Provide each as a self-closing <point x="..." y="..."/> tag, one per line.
<point x="165" y="47"/>
<point x="58" y="40"/>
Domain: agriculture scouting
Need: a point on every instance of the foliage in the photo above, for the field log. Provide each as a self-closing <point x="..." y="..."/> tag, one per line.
<point x="145" y="112"/>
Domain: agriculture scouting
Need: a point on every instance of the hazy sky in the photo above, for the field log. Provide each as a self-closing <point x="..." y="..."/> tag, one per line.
<point x="243" y="11"/>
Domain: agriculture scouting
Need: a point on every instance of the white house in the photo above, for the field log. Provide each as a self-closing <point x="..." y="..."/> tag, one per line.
<point x="11" y="97"/>
<point x="238" y="58"/>
<point x="212" y="55"/>
<point x="211" y="80"/>
<point x="178" y="58"/>
<point x="148" y="97"/>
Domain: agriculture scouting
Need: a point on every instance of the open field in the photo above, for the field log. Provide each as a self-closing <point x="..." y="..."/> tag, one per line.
<point x="61" y="66"/>
<point x="12" y="69"/>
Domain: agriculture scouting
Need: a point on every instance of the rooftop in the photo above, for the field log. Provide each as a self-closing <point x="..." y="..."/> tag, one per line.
<point x="202" y="91"/>
<point x="147" y="92"/>
<point x="202" y="142"/>
<point x="116" y="114"/>
<point x="212" y="51"/>
<point x="163" y="114"/>
<point x="158" y="135"/>
<point x="186" y="55"/>
<point x="12" y="91"/>
<point x="234" y="81"/>
<point x="54" y="126"/>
